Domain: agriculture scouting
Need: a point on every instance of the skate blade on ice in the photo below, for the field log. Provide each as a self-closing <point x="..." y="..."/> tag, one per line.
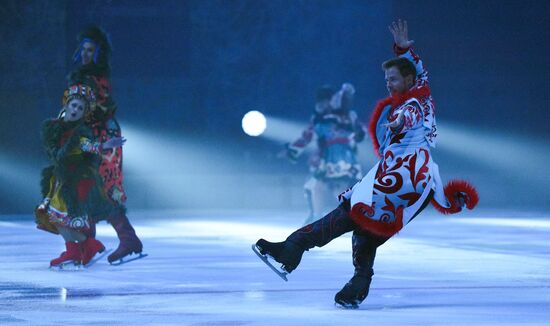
<point x="97" y="257"/>
<point x="69" y="266"/>
<point x="265" y="259"/>
<point x="347" y="306"/>
<point x="128" y="258"/>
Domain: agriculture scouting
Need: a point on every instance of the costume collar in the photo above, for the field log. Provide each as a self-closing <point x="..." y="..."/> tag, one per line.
<point x="395" y="101"/>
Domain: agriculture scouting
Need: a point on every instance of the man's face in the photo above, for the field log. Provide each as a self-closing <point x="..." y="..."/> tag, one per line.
<point x="87" y="52"/>
<point x="74" y="110"/>
<point x="395" y="82"/>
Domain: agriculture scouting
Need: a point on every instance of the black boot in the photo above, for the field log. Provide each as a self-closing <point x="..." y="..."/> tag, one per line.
<point x="285" y="253"/>
<point x="129" y="242"/>
<point x="354" y="292"/>
<point x="317" y="234"/>
<point x="357" y="288"/>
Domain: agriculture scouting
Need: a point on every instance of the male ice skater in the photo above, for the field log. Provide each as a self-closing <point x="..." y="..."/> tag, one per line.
<point x="397" y="188"/>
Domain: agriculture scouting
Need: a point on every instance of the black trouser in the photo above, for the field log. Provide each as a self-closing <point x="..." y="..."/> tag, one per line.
<point x="336" y="223"/>
<point x="333" y="225"/>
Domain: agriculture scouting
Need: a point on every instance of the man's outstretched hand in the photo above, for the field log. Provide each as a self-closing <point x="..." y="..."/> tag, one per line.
<point x="397" y="122"/>
<point x="400" y="33"/>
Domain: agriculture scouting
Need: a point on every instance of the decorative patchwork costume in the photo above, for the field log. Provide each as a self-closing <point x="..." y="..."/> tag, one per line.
<point x="71" y="187"/>
<point x="334" y="164"/>
<point x="393" y="191"/>
<point x="337" y="133"/>
<point x="104" y="126"/>
<point x="73" y="191"/>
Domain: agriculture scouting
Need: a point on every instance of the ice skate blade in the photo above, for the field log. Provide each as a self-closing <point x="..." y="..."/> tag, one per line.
<point x="97" y="257"/>
<point x="268" y="263"/>
<point x="70" y="266"/>
<point x="346" y="306"/>
<point x="128" y="258"/>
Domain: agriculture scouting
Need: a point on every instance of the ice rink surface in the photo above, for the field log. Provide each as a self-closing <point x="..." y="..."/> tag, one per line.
<point x="485" y="268"/>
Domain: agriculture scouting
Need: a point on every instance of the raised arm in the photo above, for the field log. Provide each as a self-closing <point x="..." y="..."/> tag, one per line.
<point x="403" y="48"/>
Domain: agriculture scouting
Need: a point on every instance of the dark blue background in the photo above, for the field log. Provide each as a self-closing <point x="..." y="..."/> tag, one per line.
<point x="193" y="68"/>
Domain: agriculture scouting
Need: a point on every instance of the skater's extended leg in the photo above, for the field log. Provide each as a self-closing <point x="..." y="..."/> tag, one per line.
<point x="317" y="234"/>
<point x="324" y="230"/>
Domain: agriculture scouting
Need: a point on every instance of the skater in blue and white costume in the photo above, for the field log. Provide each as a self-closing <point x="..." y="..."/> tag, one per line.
<point x="396" y="189"/>
<point x="337" y="130"/>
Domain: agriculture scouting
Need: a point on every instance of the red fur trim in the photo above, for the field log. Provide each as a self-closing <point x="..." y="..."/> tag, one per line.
<point x="453" y="189"/>
<point x="375" y="116"/>
<point x="378" y="228"/>
<point x="395" y="101"/>
<point x="445" y="210"/>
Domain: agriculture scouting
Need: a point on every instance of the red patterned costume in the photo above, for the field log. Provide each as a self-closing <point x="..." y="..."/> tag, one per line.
<point x="392" y="193"/>
<point x="104" y="126"/>
<point x="395" y="190"/>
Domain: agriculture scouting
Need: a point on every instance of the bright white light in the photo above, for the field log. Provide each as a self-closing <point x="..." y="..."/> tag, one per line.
<point x="254" y="123"/>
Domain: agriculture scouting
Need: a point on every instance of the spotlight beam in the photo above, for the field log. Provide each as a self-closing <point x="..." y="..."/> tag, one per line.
<point x="507" y="153"/>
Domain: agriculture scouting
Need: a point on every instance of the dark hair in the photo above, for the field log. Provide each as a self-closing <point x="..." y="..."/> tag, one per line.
<point x="404" y="66"/>
<point x="324" y="92"/>
<point x="101" y="40"/>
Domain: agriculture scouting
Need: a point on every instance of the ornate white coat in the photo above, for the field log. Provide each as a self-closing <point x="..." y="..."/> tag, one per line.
<point x="396" y="187"/>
